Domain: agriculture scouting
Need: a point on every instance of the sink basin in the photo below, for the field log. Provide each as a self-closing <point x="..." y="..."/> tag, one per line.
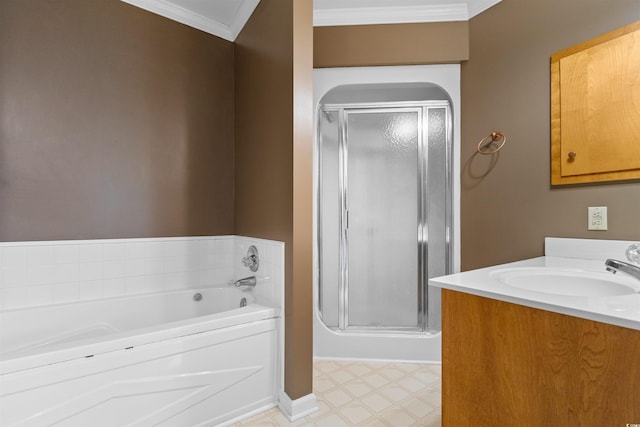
<point x="568" y="282"/>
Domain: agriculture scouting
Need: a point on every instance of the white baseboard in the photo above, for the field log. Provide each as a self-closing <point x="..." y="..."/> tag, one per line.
<point x="299" y="408"/>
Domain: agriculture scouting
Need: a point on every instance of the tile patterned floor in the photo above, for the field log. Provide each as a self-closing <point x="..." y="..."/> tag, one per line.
<point x="368" y="394"/>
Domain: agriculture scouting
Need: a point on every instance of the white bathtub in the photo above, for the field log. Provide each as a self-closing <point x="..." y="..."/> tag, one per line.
<point x="156" y="359"/>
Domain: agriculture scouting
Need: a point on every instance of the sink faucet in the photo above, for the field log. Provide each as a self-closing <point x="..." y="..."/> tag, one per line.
<point x="613" y="265"/>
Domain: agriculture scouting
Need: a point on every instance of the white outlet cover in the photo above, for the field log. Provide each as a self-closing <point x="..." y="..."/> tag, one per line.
<point x="597" y="218"/>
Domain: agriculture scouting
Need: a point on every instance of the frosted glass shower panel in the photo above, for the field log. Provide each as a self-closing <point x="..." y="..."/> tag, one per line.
<point x="438" y="262"/>
<point x="382" y="204"/>
<point x="329" y="215"/>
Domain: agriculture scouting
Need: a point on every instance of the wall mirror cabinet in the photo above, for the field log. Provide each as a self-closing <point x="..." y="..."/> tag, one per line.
<point x="595" y="109"/>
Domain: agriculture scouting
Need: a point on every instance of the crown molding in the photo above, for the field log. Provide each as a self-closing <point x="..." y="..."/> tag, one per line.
<point x="390" y="15"/>
<point x="208" y="25"/>
<point x="461" y="10"/>
<point x="478" y="6"/>
<point x="244" y="13"/>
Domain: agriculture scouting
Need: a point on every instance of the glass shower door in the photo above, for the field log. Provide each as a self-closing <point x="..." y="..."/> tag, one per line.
<point x="384" y="215"/>
<point x="382" y="206"/>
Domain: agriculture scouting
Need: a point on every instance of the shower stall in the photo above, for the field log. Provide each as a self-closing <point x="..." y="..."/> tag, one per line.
<point x="384" y="219"/>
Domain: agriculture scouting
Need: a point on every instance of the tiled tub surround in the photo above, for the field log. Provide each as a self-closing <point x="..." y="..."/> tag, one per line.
<point x="111" y="363"/>
<point x="48" y="272"/>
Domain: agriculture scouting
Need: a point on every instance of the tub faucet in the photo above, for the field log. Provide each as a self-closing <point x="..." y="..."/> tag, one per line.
<point x="613" y="265"/>
<point x="249" y="282"/>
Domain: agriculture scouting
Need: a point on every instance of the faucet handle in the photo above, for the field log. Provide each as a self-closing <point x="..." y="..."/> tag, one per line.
<point x="633" y="253"/>
<point x="251" y="260"/>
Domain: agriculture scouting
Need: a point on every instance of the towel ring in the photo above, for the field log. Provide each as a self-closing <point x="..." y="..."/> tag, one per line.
<point x="490" y="139"/>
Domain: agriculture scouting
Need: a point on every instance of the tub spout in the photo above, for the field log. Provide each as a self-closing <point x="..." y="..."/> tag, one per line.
<point x="249" y="282"/>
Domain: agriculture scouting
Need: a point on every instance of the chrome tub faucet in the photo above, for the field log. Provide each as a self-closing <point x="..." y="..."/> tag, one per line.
<point x="248" y="282"/>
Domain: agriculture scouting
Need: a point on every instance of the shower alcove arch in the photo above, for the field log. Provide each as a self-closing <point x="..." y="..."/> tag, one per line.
<point x="351" y="103"/>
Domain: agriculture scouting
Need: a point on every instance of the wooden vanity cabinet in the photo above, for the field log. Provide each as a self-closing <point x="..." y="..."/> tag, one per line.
<point x="505" y="364"/>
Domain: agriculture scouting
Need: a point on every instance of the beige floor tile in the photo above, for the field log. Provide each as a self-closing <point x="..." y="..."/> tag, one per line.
<point x="433" y="420"/>
<point x="322" y="384"/>
<point x="412" y="384"/>
<point x="323" y="410"/>
<point x="394" y="393"/>
<point x="326" y="366"/>
<point x="375" y="380"/>
<point x="432" y="397"/>
<point x="337" y="398"/>
<point x="376" y="402"/>
<point x="392" y="372"/>
<point x="341" y="376"/>
<point x="418" y="407"/>
<point x="426" y="377"/>
<point x="356" y="413"/>
<point x="357" y="388"/>
<point x="375" y="423"/>
<point x="409" y="367"/>
<point x="398" y="418"/>
<point x="367" y="394"/>
<point x="358" y="369"/>
<point x="332" y="420"/>
<point x="259" y="423"/>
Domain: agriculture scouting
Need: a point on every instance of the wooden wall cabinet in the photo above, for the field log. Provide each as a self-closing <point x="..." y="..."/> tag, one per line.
<point x="595" y="109"/>
<point x="505" y="364"/>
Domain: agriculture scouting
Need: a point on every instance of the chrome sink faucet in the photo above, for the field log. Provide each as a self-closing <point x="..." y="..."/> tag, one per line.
<point x="613" y="265"/>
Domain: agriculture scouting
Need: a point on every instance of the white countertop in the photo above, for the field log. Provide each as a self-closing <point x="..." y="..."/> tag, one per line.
<point x="620" y="310"/>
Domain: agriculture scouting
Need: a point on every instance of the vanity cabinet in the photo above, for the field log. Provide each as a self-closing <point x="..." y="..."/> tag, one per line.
<point x="505" y="364"/>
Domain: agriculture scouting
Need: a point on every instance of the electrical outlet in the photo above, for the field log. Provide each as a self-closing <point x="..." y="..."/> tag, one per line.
<point x="598" y="218"/>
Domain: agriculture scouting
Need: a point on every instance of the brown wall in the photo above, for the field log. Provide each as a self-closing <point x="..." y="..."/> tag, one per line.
<point x="394" y="44"/>
<point x="118" y="123"/>
<point x="114" y="123"/>
<point x="508" y="204"/>
<point x="273" y="117"/>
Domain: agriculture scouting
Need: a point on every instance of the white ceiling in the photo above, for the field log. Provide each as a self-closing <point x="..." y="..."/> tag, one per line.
<point x="225" y="18"/>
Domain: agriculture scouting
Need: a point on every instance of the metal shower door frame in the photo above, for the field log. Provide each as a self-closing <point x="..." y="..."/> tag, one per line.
<point x="422" y="108"/>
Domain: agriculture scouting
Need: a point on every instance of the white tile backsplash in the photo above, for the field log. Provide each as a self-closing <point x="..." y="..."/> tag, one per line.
<point x="39" y="275"/>
<point x="46" y="272"/>
<point x="270" y="275"/>
<point x="65" y="292"/>
<point x="14" y="257"/>
<point x="13" y="297"/>
<point x="135" y="267"/>
<point x="39" y="294"/>
<point x="90" y="252"/>
<point x="91" y="289"/>
<point x="65" y="273"/>
<point x="135" y="250"/>
<point x="155" y="249"/>
<point x="39" y="255"/>
<point x="113" y="287"/>
<point x="113" y="269"/>
<point x="13" y="276"/>
<point x="65" y="254"/>
<point x="113" y="252"/>
<point x="135" y="285"/>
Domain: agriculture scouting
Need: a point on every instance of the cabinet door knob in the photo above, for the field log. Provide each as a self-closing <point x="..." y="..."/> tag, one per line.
<point x="572" y="155"/>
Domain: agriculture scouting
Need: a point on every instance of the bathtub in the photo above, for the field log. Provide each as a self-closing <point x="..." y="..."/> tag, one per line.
<point x="200" y="357"/>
